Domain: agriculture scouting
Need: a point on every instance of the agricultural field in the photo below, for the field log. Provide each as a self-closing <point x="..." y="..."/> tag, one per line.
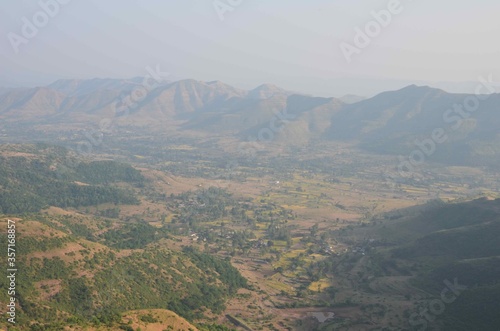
<point x="310" y="241"/>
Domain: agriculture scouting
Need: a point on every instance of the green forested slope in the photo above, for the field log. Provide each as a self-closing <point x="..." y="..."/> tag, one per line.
<point x="67" y="279"/>
<point x="33" y="177"/>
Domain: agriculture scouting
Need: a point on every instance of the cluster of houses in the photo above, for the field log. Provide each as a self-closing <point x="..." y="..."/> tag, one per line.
<point x="327" y="249"/>
<point x="360" y="250"/>
<point x="260" y="243"/>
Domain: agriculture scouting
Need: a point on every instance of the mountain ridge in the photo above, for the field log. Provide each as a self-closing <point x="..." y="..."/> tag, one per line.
<point x="388" y="123"/>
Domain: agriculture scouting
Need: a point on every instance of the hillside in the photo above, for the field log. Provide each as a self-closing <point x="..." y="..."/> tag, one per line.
<point x="73" y="275"/>
<point x="392" y="122"/>
<point x="86" y="265"/>
<point x="307" y="239"/>
<point x="438" y="243"/>
<point x="33" y="177"/>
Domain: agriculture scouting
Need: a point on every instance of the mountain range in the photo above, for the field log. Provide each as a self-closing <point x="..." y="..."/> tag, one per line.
<point x="392" y="122"/>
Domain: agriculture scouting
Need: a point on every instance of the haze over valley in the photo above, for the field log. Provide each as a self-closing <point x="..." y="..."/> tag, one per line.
<point x="308" y="167"/>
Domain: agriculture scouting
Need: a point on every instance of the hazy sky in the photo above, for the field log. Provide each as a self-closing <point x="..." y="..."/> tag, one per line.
<point x="291" y="43"/>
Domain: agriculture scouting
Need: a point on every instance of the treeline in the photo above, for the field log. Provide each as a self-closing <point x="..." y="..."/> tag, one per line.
<point x="103" y="172"/>
<point x="211" y="204"/>
<point x="133" y="235"/>
<point x="213" y="327"/>
<point x="228" y="274"/>
<point x="31" y="184"/>
<point x="204" y="205"/>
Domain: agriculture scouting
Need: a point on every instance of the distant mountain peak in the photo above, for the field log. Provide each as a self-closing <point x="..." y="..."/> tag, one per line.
<point x="265" y="91"/>
<point x="198" y="83"/>
<point x="267" y="86"/>
<point x="43" y="91"/>
<point x="419" y="88"/>
<point x="410" y="91"/>
<point x="351" y="98"/>
<point x="215" y="82"/>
